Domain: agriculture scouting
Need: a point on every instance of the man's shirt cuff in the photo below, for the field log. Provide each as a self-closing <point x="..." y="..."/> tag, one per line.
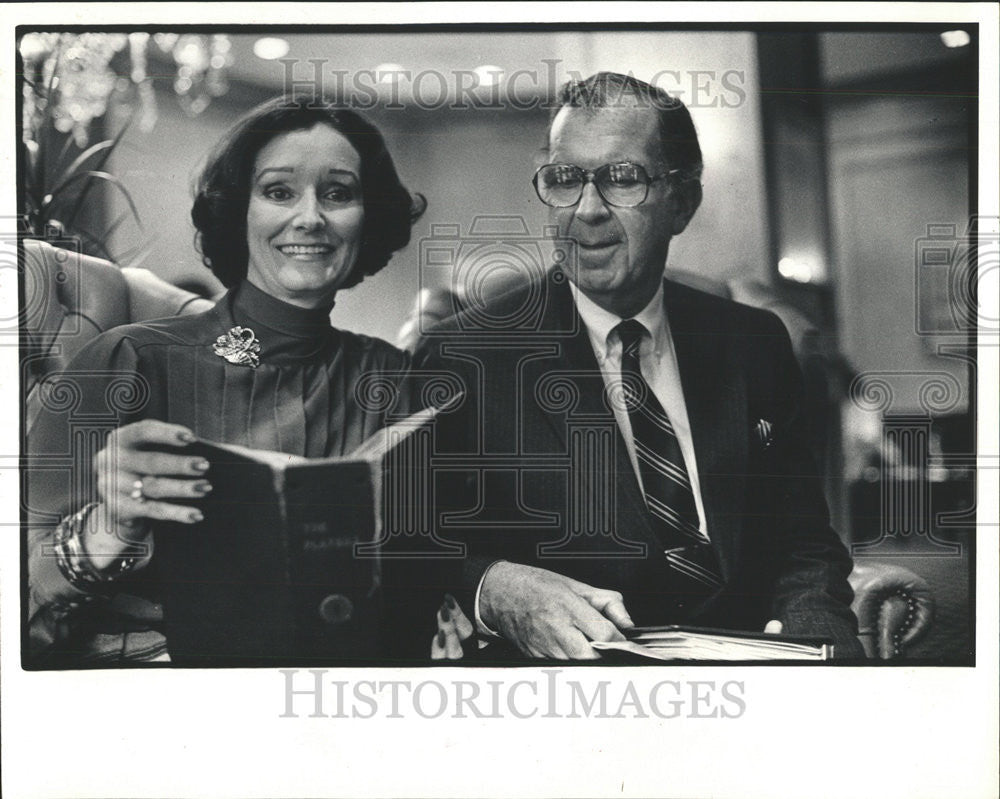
<point x="481" y="626"/>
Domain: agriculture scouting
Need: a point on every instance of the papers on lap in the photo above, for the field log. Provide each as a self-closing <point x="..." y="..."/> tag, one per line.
<point x="675" y="642"/>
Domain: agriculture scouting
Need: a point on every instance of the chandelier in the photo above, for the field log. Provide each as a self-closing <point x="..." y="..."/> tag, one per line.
<point x="70" y="78"/>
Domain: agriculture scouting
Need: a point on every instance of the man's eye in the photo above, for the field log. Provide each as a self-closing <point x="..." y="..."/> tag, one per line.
<point x="563" y="177"/>
<point x="623" y="175"/>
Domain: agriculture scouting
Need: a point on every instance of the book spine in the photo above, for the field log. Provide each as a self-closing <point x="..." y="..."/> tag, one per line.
<point x="328" y="510"/>
<point x="278" y="478"/>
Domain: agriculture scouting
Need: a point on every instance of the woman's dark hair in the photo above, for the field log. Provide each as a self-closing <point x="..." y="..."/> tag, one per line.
<point x="222" y="194"/>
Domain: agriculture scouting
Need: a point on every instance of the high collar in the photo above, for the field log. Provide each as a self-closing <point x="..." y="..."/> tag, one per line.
<point x="285" y="331"/>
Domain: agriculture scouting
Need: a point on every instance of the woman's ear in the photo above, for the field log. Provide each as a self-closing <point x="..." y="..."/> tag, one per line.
<point x="687" y="198"/>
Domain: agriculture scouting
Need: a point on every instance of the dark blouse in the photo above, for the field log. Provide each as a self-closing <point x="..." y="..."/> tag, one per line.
<point x="306" y="397"/>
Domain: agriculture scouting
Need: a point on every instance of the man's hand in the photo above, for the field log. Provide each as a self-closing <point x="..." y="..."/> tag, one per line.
<point x="773" y="627"/>
<point x="547" y="615"/>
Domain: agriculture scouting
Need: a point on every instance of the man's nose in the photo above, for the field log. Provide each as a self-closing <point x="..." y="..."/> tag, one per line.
<point x="307" y="212"/>
<point x="591" y="207"/>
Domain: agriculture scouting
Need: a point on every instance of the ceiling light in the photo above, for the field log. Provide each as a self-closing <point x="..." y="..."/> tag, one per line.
<point x="270" y="48"/>
<point x="388" y="73"/>
<point x="488" y="74"/>
<point x="955" y="38"/>
<point x="800" y="271"/>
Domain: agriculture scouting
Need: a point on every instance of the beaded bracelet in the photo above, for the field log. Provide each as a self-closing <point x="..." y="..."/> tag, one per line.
<point x="72" y="558"/>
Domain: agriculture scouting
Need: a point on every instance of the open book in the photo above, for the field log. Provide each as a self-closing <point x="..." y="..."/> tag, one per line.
<point x="285" y="567"/>
<point x="676" y="642"/>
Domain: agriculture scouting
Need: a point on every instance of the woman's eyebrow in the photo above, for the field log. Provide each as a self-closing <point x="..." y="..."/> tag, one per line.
<point x="291" y="170"/>
<point x="264" y="171"/>
<point x="347" y="172"/>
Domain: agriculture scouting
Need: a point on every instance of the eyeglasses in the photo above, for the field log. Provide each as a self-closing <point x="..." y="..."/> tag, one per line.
<point x="624" y="185"/>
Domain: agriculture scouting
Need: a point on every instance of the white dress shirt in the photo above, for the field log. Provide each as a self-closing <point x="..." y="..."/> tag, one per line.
<point x="658" y="361"/>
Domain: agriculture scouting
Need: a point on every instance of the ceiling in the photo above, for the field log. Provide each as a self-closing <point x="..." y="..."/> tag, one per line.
<point x="544" y="57"/>
<point x="448" y="54"/>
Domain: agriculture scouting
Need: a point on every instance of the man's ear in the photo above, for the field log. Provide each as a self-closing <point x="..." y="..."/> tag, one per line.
<point x="541" y="158"/>
<point x="687" y="198"/>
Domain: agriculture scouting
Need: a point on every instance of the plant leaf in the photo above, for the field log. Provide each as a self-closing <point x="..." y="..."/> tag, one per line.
<point x="105" y="148"/>
<point x="97" y="247"/>
<point x="63" y="152"/>
<point x="115" y="141"/>
<point x="31" y="186"/>
<point x="109" y="231"/>
<point x="135" y="256"/>
<point x="68" y="173"/>
<point x="49" y="105"/>
<point x="96" y="175"/>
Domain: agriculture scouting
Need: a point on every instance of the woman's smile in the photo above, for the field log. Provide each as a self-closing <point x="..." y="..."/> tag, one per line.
<point x="305" y="216"/>
<point x="305" y="252"/>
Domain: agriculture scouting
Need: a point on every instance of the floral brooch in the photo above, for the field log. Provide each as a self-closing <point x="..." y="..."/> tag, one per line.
<point x="239" y="346"/>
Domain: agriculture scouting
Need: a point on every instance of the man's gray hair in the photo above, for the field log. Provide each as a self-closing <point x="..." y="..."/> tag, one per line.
<point x="678" y="137"/>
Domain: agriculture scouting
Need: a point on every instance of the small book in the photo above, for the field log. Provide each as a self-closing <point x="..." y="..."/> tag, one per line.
<point x="285" y="568"/>
<point x="677" y="642"/>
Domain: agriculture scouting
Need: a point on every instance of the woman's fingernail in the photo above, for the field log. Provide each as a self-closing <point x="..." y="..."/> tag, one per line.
<point x="440" y="638"/>
<point x="445" y="613"/>
<point x="200" y="466"/>
<point x="196" y="516"/>
<point x="449" y="600"/>
<point x="203" y="486"/>
<point x="186" y="437"/>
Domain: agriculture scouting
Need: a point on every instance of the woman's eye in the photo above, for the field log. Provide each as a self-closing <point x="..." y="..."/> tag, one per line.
<point x="339" y="194"/>
<point x="278" y="193"/>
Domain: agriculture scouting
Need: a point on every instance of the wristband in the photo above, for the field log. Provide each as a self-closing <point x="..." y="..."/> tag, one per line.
<point x="72" y="558"/>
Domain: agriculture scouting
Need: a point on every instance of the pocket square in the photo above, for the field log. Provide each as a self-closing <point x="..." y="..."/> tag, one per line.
<point x="765" y="433"/>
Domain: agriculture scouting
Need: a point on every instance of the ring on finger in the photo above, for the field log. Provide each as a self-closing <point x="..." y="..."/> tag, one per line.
<point x="137" y="492"/>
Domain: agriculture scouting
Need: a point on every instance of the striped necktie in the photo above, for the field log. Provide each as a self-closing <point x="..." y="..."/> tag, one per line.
<point x="665" y="482"/>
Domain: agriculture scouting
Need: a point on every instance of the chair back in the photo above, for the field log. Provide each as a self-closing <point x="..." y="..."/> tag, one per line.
<point x="70" y="298"/>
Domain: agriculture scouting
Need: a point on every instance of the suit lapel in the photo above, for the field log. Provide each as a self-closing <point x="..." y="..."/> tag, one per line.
<point x="712" y="389"/>
<point x="576" y="359"/>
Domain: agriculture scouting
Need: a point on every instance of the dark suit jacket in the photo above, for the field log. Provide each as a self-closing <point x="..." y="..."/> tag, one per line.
<point x="546" y="478"/>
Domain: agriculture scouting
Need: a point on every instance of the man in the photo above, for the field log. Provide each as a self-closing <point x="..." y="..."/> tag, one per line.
<point x="635" y="448"/>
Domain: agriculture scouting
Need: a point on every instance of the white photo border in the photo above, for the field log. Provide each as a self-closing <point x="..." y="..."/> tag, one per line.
<point x="906" y="732"/>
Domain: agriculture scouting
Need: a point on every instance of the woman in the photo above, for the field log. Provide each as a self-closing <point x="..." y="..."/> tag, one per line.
<point x="296" y="203"/>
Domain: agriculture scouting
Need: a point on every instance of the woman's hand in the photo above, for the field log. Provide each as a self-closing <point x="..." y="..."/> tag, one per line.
<point x="454" y="627"/>
<point x="139" y="480"/>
